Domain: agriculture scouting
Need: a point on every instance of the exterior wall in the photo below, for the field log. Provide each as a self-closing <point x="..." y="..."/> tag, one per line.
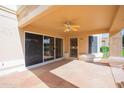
<point x="10" y="48"/>
<point x="115" y="44"/>
<point x="22" y="40"/>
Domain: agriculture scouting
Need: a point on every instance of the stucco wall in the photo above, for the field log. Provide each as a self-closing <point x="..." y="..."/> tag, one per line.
<point x="10" y="46"/>
<point x="115" y="43"/>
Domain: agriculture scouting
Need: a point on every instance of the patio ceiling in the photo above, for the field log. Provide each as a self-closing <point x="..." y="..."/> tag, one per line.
<point x="89" y="18"/>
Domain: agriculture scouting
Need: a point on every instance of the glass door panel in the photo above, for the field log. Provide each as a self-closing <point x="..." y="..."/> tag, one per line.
<point x="48" y="48"/>
<point x="59" y="47"/>
<point x="33" y="49"/>
<point x="73" y="47"/>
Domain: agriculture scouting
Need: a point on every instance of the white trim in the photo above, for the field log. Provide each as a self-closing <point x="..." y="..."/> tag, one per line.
<point x="44" y="34"/>
<point x="20" y="8"/>
<point x="55" y="48"/>
<point x="5" y="9"/>
<point x="43" y="48"/>
<point x="24" y="46"/>
<point x="44" y="63"/>
<point x="63" y="45"/>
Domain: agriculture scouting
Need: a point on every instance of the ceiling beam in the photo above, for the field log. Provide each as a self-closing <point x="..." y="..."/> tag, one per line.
<point x="32" y="15"/>
<point x="118" y="22"/>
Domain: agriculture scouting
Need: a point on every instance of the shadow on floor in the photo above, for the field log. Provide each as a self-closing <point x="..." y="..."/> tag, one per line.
<point x="99" y="63"/>
<point x="51" y="80"/>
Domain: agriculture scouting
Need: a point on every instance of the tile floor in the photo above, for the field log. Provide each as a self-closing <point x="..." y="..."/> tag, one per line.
<point x="41" y="77"/>
<point x="36" y="77"/>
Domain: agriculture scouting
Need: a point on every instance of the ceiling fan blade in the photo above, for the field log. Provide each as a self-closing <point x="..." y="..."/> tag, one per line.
<point x="74" y="29"/>
<point x="75" y="26"/>
<point x="65" y="25"/>
<point x="65" y="30"/>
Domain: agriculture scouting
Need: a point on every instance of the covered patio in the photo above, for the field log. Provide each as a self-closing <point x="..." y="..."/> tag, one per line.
<point x="91" y="20"/>
<point x="61" y="47"/>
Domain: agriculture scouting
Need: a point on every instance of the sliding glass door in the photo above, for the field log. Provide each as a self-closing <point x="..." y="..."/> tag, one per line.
<point x="33" y="49"/>
<point x="40" y="48"/>
<point x="48" y="48"/>
<point x="59" y="47"/>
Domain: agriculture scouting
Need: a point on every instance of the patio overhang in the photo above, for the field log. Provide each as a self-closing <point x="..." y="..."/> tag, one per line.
<point x="94" y="19"/>
<point x="89" y="18"/>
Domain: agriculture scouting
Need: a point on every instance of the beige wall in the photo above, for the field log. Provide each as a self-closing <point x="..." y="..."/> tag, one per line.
<point x="115" y="43"/>
<point x="22" y="40"/>
<point x="10" y="46"/>
<point x="83" y="44"/>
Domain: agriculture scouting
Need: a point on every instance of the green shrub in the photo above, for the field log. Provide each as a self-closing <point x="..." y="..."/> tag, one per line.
<point x="105" y="51"/>
<point x="122" y="52"/>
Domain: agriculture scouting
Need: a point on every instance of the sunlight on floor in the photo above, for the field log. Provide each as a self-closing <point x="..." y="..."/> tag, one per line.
<point x="83" y="74"/>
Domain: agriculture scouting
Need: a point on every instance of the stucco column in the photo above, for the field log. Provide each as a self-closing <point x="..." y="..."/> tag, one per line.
<point x="22" y="39"/>
<point x="115" y="43"/>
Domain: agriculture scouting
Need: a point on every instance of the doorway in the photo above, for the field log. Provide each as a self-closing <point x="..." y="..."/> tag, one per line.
<point x="73" y="47"/>
<point x="93" y="44"/>
<point x="59" y="48"/>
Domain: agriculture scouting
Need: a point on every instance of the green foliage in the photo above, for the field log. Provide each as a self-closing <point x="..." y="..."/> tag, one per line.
<point x="105" y="51"/>
<point x="122" y="53"/>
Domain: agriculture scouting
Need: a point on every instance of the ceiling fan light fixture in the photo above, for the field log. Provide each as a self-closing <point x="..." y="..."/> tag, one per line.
<point x="69" y="27"/>
<point x="68" y="30"/>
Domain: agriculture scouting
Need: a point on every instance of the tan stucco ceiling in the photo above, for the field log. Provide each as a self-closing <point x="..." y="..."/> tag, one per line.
<point x="118" y="22"/>
<point x="89" y="18"/>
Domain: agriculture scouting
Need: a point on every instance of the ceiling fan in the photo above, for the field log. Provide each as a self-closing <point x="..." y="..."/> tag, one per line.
<point x="69" y="27"/>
